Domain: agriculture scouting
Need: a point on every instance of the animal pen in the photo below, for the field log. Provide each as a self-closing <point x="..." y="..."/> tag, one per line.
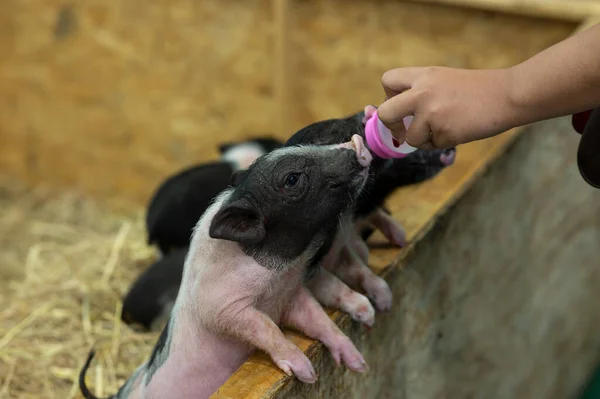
<point x="102" y="99"/>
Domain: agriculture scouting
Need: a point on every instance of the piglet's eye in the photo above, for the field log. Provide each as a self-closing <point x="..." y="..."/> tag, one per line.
<point x="292" y="179"/>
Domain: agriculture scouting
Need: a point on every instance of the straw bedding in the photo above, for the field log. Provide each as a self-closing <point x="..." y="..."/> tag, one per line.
<point x="64" y="267"/>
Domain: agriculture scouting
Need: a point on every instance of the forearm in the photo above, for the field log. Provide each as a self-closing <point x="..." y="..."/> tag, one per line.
<point x="561" y="80"/>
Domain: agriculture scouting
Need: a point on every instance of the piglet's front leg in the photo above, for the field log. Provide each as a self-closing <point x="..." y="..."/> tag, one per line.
<point x="390" y="228"/>
<point x="333" y="293"/>
<point x="354" y="272"/>
<point x="351" y="268"/>
<point x="308" y="316"/>
<point x="256" y="328"/>
<point x="360" y="246"/>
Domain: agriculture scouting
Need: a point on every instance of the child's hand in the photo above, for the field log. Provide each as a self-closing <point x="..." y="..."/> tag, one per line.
<point x="450" y="106"/>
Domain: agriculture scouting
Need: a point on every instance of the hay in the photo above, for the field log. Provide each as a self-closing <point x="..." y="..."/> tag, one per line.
<point x="65" y="264"/>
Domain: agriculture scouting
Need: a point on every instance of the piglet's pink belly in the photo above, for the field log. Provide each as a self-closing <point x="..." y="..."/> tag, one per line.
<point x="197" y="367"/>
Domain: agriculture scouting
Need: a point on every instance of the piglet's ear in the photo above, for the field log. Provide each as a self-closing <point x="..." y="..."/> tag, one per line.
<point x="238" y="221"/>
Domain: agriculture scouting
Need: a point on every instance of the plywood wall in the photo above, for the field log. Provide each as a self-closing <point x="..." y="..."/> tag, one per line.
<point x="110" y="96"/>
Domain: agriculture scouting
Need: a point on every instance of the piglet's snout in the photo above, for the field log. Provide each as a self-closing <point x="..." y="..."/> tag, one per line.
<point x="448" y="156"/>
<point x="357" y="144"/>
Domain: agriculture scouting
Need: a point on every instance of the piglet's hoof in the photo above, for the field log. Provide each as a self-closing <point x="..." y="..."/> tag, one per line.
<point x="390" y="228"/>
<point x="360" y="309"/>
<point x="295" y="362"/>
<point x="344" y="350"/>
<point x="379" y="293"/>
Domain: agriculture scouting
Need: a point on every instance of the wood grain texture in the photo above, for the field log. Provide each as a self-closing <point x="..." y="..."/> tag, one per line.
<point x="570" y="10"/>
<point x="110" y="97"/>
<point x="282" y="70"/>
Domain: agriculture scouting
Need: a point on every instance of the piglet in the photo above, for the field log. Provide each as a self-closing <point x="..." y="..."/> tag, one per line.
<point x="242" y="154"/>
<point x="151" y="297"/>
<point x="243" y="275"/>
<point x="347" y="254"/>
<point x="182" y="198"/>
